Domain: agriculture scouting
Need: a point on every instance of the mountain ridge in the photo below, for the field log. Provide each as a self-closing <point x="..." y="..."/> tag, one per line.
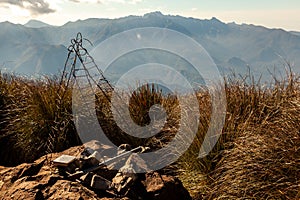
<point x="257" y="46"/>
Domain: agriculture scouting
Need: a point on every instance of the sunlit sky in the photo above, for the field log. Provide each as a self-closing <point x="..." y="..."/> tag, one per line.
<point x="269" y="13"/>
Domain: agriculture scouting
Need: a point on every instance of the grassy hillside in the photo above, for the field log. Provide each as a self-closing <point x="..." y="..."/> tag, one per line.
<point x="257" y="156"/>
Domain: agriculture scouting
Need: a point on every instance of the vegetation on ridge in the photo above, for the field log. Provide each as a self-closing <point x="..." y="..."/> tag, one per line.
<point x="257" y="156"/>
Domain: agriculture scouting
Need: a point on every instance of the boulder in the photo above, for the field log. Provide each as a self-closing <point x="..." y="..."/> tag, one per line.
<point x="41" y="180"/>
<point x="162" y="187"/>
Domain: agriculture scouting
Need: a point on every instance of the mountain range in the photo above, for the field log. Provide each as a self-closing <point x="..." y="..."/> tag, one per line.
<point x="37" y="47"/>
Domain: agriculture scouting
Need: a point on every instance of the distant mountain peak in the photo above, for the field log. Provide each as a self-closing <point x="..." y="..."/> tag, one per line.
<point x="35" y="24"/>
<point x="154" y="14"/>
<point x="7" y="23"/>
<point x="214" y="19"/>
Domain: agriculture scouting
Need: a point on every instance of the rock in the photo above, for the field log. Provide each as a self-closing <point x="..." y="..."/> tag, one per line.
<point x="103" y="150"/>
<point x="153" y="182"/>
<point x="63" y="189"/>
<point x="92" y="160"/>
<point x="127" y="175"/>
<point x="87" y="178"/>
<point x="163" y="187"/>
<point x="124" y="179"/>
<point x="39" y="180"/>
<point x="96" y="155"/>
<point x="63" y="161"/>
<point x="137" y="163"/>
<point x="133" y="160"/>
<point x="100" y="183"/>
<point x="29" y="170"/>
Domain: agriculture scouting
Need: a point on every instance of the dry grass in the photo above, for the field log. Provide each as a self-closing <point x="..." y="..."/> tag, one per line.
<point x="36" y="118"/>
<point x="256" y="157"/>
<point x="263" y="159"/>
<point x="139" y="104"/>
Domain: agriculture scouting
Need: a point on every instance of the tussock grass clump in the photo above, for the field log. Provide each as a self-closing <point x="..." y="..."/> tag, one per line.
<point x="140" y="101"/>
<point x="3" y="96"/>
<point x="263" y="161"/>
<point x="37" y="118"/>
<point x="258" y="154"/>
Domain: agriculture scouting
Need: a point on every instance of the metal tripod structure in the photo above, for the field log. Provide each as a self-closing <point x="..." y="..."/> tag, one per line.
<point x="80" y="63"/>
<point x="78" y="67"/>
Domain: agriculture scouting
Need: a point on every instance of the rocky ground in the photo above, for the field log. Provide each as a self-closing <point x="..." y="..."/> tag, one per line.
<point x="40" y="180"/>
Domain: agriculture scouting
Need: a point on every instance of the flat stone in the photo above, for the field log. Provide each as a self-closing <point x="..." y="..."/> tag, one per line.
<point x="63" y="161"/>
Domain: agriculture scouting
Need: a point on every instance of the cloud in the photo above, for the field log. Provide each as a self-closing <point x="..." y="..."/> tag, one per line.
<point x="134" y="1"/>
<point x="108" y="1"/>
<point x="39" y="7"/>
<point x="86" y="1"/>
<point x="36" y="7"/>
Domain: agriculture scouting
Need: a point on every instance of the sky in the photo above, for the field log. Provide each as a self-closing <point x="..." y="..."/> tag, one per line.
<point x="270" y="13"/>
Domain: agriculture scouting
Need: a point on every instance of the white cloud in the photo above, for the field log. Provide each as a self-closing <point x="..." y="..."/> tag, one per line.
<point x="35" y="7"/>
<point x="108" y="1"/>
<point x="40" y="7"/>
<point x="86" y="1"/>
<point x="134" y="1"/>
<point x="19" y="12"/>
